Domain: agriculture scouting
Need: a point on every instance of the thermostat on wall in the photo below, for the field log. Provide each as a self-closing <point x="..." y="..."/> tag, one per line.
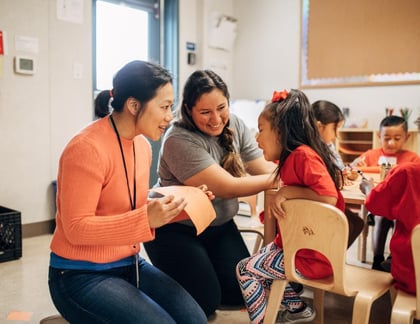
<point x="24" y="65"/>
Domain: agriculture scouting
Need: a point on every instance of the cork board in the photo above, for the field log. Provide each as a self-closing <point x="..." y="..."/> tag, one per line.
<point x="359" y="42"/>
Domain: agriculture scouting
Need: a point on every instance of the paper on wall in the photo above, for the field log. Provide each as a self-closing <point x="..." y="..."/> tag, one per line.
<point x="222" y="32"/>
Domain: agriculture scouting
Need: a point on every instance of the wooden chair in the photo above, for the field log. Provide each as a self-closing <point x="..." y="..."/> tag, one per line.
<point x="324" y="228"/>
<point x="406" y="307"/>
<point x="252" y="223"/>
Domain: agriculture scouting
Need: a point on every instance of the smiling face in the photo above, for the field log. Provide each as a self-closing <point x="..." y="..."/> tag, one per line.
<point x="393" y="138"/>
<point x="211" y="112"/>
<point x="153" y="120"/>
<point x="268" y="140"/>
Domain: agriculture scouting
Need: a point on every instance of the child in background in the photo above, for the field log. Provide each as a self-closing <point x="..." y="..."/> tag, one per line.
<point x="393" y="134"/>
<point x="329" y="119"/>
<point x="396" y="199"/>
<point x="288" y="133"/>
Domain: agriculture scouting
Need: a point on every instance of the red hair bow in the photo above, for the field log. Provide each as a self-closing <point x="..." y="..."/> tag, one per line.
<point x="279" y="95"/>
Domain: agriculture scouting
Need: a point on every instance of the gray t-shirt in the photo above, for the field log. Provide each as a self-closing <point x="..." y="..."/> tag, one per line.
<point x="185" y="153"/>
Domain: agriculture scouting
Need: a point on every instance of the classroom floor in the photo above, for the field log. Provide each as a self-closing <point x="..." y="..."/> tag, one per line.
<point x="24" y="296"/>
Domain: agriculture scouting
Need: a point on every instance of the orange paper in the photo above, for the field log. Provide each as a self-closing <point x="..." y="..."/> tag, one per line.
<point x="199" y="208"/>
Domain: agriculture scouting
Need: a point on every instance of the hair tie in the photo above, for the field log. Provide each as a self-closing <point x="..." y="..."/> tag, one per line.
<point x="279" y="96"/>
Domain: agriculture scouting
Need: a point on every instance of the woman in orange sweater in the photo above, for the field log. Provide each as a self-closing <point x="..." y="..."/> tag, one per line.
<point x="103" y="211"/>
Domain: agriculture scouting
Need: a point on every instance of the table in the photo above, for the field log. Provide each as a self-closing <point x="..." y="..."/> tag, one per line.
<point x="352" y="195"/>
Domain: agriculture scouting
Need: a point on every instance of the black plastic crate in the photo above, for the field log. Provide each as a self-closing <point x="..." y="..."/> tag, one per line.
<point x="10" y="234"/>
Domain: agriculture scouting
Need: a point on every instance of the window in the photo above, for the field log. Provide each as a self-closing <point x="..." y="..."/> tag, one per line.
<point x="127" y="30"/>
<point x="124" y="31"/>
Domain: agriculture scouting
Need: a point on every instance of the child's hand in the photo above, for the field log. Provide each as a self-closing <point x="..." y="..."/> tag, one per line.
<point x="276" y="208"/>
<point x="360" y="162"/>
<point x="350" y="174"/>
<point x="209" y="194"/>
<point x="366" y="185"/>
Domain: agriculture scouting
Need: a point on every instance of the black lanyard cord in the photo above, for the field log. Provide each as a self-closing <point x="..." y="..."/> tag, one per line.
<point x="132" y="199"/>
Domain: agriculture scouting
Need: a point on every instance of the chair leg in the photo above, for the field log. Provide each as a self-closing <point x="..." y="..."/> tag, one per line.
<point x="393" y="294"/>
<point x="258" y="240"/>
<point x="361" y="309"/>
<point x="402" y="316"/>
<point x="257" y="244"/>
<point x="401" y="312"/>
<point x="318" y="304"/>
<point x="274" y="300"/>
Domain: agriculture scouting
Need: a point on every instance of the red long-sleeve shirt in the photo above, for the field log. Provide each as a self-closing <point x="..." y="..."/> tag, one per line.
<point x="396" y="198"/>
<point x="304" y="167"/>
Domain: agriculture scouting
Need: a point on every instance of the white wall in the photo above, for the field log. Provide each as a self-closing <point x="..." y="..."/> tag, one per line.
<point x="195" y="25"/>
<point x="39" y="113"/>
<point x="267" y="55"/>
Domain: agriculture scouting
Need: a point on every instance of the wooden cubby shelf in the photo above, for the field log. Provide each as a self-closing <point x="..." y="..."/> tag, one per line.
<point x="352" y="142"/>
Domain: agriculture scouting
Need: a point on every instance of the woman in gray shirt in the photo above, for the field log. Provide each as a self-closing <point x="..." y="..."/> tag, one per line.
<point x="207" y="145"/>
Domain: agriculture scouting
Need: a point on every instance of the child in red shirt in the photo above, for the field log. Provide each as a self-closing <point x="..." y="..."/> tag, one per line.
<point x="288" y="133"/>
<point x="396" y="199"/>
<point x="393" y="134"/>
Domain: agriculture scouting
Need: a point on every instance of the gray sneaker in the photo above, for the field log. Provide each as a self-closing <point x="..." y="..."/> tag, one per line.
<point x="306" y="315"/>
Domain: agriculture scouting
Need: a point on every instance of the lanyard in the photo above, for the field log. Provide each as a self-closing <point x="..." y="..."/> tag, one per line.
<point x="132" y="199"/>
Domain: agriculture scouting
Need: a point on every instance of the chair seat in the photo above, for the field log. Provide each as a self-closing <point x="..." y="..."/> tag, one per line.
<point x="363" y="279"/>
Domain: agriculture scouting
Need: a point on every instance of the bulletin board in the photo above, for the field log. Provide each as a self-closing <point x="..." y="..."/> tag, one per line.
<point x="359" y="42"/>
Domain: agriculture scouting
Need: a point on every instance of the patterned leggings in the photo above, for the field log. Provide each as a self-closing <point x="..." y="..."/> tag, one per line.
<point x="255" y="275"/>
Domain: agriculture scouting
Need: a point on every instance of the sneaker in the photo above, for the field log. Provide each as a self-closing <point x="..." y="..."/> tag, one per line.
<point x="370" y="220"/>
<point x="306" y="315"/>
<point x="386" y="265"/>
<point x="297" y="287"/>
<point x="377" y="260"/>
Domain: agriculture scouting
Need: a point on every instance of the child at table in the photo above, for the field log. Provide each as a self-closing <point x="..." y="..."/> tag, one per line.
<point x="329" y="119"/>
<point x="393" y="134"/>
<point x="396" y="199"/>
<point x="288" y="133"/>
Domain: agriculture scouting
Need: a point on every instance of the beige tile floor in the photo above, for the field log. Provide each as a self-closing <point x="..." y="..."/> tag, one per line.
<point x="24" y="290"/>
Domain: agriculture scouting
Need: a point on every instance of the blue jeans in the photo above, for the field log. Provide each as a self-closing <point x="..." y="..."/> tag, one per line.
<point x="111" y="296"/>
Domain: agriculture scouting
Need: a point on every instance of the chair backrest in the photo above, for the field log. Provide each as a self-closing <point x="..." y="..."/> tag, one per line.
<point x="317" y="226"/>
<point x="415" y="248"/>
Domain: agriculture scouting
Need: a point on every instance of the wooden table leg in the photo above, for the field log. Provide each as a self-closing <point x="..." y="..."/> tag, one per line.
<point x="363" y="236"/>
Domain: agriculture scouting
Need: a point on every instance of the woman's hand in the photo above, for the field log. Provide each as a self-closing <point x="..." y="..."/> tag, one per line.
<point x="206" y="190"/>
<point x="161" y="211"/>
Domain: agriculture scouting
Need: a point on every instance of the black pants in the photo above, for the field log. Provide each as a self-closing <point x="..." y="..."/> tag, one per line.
<point x="204" y="265"/>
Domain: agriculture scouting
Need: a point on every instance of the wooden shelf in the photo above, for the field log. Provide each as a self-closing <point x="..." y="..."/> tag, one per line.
<point x="352" y="142"/>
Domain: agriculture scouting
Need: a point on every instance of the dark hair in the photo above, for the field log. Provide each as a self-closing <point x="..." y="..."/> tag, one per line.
<point x="326" y="112"/>
<point x="137" y="79"/>
<point x="199" y="83"/>
<point x="102" y="104"/>
<point x="293" y="119"/>
<point x="394" y="121"/>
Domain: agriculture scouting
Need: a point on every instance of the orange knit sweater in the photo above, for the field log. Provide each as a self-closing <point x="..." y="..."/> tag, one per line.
<point x="94" y="220"/>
